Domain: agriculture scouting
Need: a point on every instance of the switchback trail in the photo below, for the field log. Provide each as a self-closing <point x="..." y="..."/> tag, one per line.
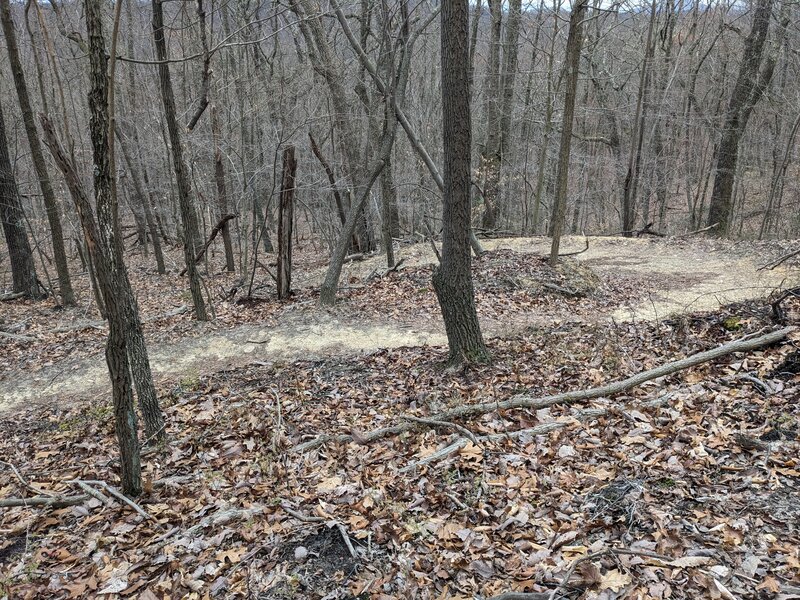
<point x="677" y="277"/>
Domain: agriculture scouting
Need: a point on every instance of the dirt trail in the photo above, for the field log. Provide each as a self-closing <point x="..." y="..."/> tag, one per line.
<point x="677" y="278"/>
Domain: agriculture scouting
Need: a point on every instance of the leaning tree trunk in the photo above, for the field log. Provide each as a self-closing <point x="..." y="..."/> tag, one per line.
<point x="23" y="269"/>
<point x="747" y="90"/>
<point x="452" y="279"/>
<point x="573" y="58"/>
<point x="49" y="197"/>
<point x="188" y="215"/>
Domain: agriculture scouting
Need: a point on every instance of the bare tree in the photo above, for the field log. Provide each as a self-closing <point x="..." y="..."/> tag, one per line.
<point x="571" y="68"/>
<point x="452" y="279"/>
<point x="750" y="84"/>
<point x="188" y="214"/>
<point x="23" y="269"/>
<point x="51" y="206"/>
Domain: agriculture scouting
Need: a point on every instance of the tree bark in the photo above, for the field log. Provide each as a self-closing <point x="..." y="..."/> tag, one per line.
<point x="747" y="91"/>
<point x="114" y="277"/>
<point x="452" y="279"/>
<point x="631" y="185"/>
<point x="51" y="206"/>
<point x="222" y="193"/>
<point x="285" y="221"/>
<point x="23" y="269"/>
<point x="144" y="202"/>
<point x="573" y="58"/>
<point x="188" y="214"/>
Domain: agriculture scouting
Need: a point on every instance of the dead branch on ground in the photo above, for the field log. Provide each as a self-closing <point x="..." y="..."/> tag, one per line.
<point x="696" y="231"/>
<point x="779" y="261"/>
<point x="778" y="313"/>
<point x="745" y="344"/>
<point x="585" y="248"/>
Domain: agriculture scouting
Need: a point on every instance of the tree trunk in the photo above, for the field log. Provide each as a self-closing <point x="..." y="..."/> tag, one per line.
<point x="144" y="202"/>
<point x="113" y="277"/>
<point x="23" y="269"/>
<point x="452" y="279"/>
<point x="491" y="153"/>
<point x="51" y="206"/>
<point x="222" y="194"/>
<point x="573" y="59"/>
<point x="389" y="213"/>
<point x="631" y="185"/>
<point x="747" y="91"/>
<point x="285" y="221"/>
<point x="188" y="214"/>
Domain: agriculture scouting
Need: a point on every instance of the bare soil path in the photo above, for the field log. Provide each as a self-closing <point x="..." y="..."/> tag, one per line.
<point x="675" y="277"/>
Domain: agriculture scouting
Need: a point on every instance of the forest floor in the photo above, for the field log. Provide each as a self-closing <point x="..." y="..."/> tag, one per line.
<point x="59" y="354"/>
<point x="685" y="487"/>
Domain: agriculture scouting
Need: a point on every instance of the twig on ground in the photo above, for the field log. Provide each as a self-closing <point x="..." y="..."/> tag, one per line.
<point x="447" y="424"/>
<point x="346" y="538"/>
<point x="696" y="231"/>
<point x="554" y="593"/>
<point x="585" y="248"/>
<point x="118" y="495"/>
<point x="300" y="516"/>
<point x="26" y="483"/>
<point x="93" y="492"/>
<point x="17" y="337"/>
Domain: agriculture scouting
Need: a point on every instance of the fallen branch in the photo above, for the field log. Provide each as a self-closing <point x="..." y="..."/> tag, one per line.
<point x="778" y="314"/>
<point x="17" y="337"/>
<point x="585" y="248"/>
<point x="554" y="594"/>
<point x="523" y="401"/>
<point x="779" y="261"/>
<point x="47" y="501"/>
<point x="434" y="423"/>
<point x="648" y="230"/>
<point x="221" y="517"/>
<point x="542" y="429"/>
<point x="11" y="296"/>
<point x="562" y="290"/>
<point x="217" y="228"/>
<point x="696" y="231"/>
<point x="117" y="494"/>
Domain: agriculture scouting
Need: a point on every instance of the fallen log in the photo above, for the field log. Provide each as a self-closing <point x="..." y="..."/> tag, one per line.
<point x="47" y="501"/>
<point x="11" y="296"/>
<point x="745" y="344"/>
<point x="17" y="337"/>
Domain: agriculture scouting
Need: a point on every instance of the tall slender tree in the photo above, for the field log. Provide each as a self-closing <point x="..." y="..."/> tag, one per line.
<point x="571" y="67"/>
<point x="750" y="84"/>
<point x="51" y="206"/>
<point x="23" y="269"/>
<point x="188" y="213"/>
